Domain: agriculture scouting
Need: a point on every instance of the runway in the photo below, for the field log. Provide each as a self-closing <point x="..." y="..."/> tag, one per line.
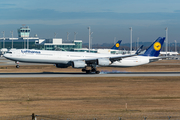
<point x="60" y="74"/>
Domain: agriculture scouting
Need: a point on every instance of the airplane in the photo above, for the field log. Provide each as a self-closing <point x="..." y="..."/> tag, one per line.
<point x="64" y="59"/>
<point x="150" y="55"/>
<point x="117" y="45"/>
<point x="108" y="51"/>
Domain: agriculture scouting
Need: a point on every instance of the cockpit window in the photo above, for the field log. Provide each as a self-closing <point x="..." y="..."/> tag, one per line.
<point x="9" y="52"/>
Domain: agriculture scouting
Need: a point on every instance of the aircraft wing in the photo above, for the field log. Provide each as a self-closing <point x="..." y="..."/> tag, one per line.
<point x="117" y="58"/>
<point x="112" y="58"/>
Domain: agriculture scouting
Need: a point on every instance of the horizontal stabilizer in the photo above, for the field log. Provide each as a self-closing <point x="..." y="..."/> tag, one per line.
<point x="139" y="50"/>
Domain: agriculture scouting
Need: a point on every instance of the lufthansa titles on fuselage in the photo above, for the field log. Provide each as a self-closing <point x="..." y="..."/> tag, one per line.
<point x="30" y="51"/>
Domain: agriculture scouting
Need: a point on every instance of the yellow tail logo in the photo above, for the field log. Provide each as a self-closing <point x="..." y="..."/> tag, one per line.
<point x="117" y="44"/>
<point x="157" y="46"/>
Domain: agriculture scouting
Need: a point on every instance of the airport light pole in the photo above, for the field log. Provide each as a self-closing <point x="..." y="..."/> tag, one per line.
<point x="75" y="35"/>
<point x="91" y="42"/>
<point x="90" y="37"/>
<point x="68" y="36"/>
<point x="175" y="46"/>
<point x="55" y="35"/>
<point x="166" y="39"/>
<point x="137" y="42"/>
<point x="130" y="39"/>
<point x="12" y="38"/>
<point x="24" y="40"/>
<point x="3" y="39"/>
<point x="27" y="43"/>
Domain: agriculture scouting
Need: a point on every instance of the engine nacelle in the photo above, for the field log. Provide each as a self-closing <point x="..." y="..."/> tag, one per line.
<point x="79" y="64"/>
<point x="62" y="65"/>
<point x="104" y="62"/>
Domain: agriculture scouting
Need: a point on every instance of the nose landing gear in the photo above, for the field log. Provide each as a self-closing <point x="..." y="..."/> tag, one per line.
<point x="17" y="64"/>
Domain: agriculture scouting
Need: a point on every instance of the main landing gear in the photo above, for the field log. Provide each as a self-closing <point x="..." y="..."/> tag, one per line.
<point x="17" y="64"/>
<point x="93" y="70"/>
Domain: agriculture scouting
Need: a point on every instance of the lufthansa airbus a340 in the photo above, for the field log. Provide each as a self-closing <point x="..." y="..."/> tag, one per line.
<point x="64" y="59"/>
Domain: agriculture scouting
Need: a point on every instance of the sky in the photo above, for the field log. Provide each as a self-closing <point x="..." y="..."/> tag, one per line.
<point x="109" y="20"/>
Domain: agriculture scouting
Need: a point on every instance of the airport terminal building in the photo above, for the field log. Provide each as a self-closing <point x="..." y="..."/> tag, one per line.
<point x="24" y="41"/>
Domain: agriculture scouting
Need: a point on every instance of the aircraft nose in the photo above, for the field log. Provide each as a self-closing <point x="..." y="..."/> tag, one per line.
<point x="5" y="55"/>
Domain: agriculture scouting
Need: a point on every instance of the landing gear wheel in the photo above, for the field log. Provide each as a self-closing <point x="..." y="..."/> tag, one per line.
<point x="17" y="66"/>
<point x="97" y="72"/>
<point x="84" y="70"/>
<point x="88" y="71"/>
<point x="93" y="70"/>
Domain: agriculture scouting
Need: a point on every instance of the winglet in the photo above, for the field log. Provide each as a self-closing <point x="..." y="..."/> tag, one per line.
<point x="117" y="45"/>
<point x="139" y="50"/>
<point x="155" y="48"/>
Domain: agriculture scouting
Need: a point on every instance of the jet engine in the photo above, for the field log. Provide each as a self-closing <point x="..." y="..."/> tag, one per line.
<point x="103" y="62"/>
<point x="79" y="64"/>
<point x="62" y="65"/>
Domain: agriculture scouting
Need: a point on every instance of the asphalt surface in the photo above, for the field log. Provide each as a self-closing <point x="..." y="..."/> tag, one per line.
<point x="102" y="74"/>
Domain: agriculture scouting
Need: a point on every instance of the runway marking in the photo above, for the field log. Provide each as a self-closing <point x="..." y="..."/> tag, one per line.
<point x="62" y="74"/>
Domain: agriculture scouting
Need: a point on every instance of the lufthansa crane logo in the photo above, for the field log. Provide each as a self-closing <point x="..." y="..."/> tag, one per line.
<point x="117" y="44"/>
<point x="157" y="46"/>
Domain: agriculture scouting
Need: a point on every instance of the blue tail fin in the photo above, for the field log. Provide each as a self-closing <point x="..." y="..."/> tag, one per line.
<point x="155" y="48"/>
<point x="117" y="45"/>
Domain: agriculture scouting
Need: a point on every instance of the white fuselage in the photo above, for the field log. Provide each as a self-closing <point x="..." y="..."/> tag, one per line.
<point x="51" y="57"/>
<point x="63" y="57"/>
<point x="132" y="61"/>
